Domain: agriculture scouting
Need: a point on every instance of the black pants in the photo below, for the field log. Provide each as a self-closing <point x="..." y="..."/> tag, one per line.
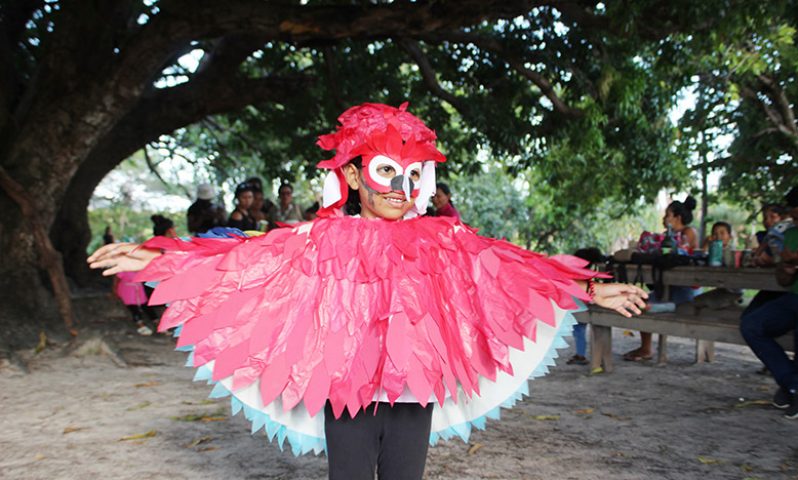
<point x="393" y="442"/>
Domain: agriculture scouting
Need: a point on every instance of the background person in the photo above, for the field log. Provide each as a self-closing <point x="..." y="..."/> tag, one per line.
<point x="678" y="216"/>
<point x="772" y="214"/>
<point x="720" y="231"/>
<point x="262" y="208"/>
<point x="108" y="235"/>
<point x="132" y="294"/>
<point x="287" y="210"/>
<point x="240" y="218"/>
<point x="203" y="214"/>
<point x="771" y="245"/>
<point x="163" y="227"/>
<point x="442" y="200"/>
<point x="762" y="325"/>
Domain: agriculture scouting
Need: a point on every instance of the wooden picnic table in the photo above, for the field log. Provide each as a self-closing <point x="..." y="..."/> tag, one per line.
<point x="707" y="327"/>
<point x="720" y="277"/>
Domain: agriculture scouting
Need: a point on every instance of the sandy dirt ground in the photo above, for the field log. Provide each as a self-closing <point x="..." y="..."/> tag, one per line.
<point x="78" y="414"/>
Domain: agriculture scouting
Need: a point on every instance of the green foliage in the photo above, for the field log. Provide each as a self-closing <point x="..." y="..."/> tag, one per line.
<point x="127" y="224"/>
<point x="619" y="74"/>
<point x="521" y="210"/>
<point x="744" y="119"/>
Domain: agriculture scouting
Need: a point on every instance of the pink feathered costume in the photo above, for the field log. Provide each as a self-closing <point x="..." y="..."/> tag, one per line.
<point x="352" y="310"/>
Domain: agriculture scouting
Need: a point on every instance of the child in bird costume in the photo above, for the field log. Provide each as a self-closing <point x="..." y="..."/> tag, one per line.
<point x="368" y="336"/>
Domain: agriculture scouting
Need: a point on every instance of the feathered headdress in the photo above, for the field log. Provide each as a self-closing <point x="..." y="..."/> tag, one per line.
<point x="374" y="129"/>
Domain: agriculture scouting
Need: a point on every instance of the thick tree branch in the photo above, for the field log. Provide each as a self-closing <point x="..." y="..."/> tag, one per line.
<point x="227" y="55"/>
<point x="428" y="74"/>
<point x="579" y="13"/>
<point x="331" y="72"/>
<point x="154" y="170"/>
<point x="49" y="258"/>
<point x="518" y="64"/>
<point x="98" y="99"/>
<point x="780" y="99"/>
<point x="773" y="116"/>
<point x="14" y="15"/>
<point x="160" y="112"/>
<point x="251" y="145"/>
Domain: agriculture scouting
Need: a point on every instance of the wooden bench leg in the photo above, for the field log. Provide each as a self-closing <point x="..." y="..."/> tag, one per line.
<point x="704" y="351"/>
<point x="600" y="348"/>
<point x="662" y="350"/>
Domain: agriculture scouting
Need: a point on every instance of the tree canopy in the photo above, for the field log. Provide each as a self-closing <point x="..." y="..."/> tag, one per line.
<point x="579" y="91"/>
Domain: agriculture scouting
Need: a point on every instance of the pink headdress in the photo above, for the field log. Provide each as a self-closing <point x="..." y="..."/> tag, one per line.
<point x="374" y="130"/>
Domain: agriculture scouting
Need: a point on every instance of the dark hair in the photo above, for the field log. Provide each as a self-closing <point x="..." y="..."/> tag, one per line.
<point x="352" y="205"/>
<point x="776" y="208"/>
<point x="286" y="184"/>
<point x="791" y="198"/>
<point x="445" y="189"/>
<point x="725" y="225"/>
<point x="592" y="255"/>
<point x="313" y="208"/>
<point x="256" y="182"/>
<point x="244" y="187"/>
<point x="683" y="210"/>
<point x="160" y="225"/>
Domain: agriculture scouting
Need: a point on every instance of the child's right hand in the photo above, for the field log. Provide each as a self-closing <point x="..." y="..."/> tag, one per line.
<point x="121" y="257"/>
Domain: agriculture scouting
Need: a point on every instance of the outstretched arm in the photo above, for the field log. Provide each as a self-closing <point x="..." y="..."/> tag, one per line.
<point x="121" y="257"/>
<point x="623" y="298"/>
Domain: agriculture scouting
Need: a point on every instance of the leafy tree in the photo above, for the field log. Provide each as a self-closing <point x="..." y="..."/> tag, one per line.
<point x="575" y="87"/>
<point x="746" y="90"/>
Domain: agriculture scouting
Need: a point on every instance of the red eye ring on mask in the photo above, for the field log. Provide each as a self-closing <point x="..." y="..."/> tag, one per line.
<point x="372" y="173"/>
<point x="381" y="181"/>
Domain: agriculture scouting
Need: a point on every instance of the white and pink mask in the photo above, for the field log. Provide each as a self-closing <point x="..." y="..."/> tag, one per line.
<point x="397" y="150"/>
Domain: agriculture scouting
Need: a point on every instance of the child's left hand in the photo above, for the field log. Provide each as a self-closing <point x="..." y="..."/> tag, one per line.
<point x="623" y="298"/>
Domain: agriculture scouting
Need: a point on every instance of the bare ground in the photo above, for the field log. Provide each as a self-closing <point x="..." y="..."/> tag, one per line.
<point x="78" y="414"/>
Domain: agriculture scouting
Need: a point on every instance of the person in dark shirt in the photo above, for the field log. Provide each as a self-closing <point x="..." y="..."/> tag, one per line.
<point x="262" y="209"/>
<point x="241" y="218"/>
<point x="204" y="214"/>
<point x="761" y="326"/>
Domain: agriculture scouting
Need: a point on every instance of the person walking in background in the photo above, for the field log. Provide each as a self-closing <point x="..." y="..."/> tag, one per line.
<point x="203" y="214"/>
<point x="287" y="210"/>
<point x="240" y="218"/>
<point x="442" y="200"/>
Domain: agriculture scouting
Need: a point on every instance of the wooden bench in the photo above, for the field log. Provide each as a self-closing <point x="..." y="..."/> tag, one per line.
<point x="707" y="327"/>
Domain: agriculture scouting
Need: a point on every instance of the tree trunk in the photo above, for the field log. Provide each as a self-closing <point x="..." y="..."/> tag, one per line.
<point x="157" y="113"/>
<point x="27" y="305"/>
<point x="71" y="233"/>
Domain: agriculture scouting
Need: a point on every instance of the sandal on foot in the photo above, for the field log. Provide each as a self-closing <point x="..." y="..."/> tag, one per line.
<point x="636" y="356"/>
<point x="577" y="360"/>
